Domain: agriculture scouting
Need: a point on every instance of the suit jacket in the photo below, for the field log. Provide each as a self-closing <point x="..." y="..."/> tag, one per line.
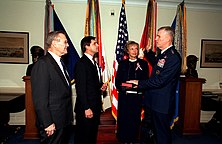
<point x="51" y="94"/>
<point x="87" y="87"/>
<point x="29" y="69"/>
<point x="161" y="86"/>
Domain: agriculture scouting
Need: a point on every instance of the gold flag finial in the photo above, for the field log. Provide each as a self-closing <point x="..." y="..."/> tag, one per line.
<point x="123" y="2"/>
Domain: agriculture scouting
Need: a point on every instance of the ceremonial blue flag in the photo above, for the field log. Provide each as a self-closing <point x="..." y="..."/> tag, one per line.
<point x="52" y="23"/>
<point x="180" y="43"/>
<point x="180" y="26"/>
<point x="72" y="56"/>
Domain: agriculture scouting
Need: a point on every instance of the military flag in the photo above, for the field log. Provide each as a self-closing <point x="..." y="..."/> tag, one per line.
<point x="180" y="42"/>
<point x="149" y="31"/>
<point x="180" y="26"/>
<point x="93" y="28"/>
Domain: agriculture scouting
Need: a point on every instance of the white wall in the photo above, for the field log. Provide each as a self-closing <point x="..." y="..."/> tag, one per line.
<point x="28" y="16"/>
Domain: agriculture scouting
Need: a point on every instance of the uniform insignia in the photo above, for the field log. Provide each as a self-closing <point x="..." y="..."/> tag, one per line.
<point x="157" y="72"/>
<point x="161" y="63"/>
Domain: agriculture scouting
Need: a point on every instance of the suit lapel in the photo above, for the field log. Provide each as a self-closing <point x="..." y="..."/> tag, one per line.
<point x="57" y="68"/>
<point x="92" y="67"/>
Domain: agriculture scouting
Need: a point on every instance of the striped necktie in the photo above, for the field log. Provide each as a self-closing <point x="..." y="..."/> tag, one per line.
<point x="65" y="71"/>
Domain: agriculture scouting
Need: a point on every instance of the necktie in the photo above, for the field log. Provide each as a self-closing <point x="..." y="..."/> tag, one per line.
<point x="65" y="70"/>
<point x="97" y="70"/>
<point x="94" y="62"/>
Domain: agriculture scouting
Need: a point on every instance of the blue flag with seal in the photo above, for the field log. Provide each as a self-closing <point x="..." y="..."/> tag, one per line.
<point x="53" y="23"/>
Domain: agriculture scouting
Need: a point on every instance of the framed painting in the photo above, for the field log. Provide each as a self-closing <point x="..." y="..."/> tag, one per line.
<point x="211" y="53"/>
<point x="14" y="47"/>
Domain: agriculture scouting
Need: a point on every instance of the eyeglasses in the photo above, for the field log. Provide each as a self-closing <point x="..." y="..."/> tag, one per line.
<point x="59" y="40"/>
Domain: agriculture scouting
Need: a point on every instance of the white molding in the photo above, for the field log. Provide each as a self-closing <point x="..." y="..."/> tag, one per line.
<point x="12" y="89"/>
<point x="203" y="5"/>
<point x="190" y="4"/>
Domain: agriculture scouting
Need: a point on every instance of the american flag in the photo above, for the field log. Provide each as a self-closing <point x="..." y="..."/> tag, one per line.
<point x="119" y="55"/>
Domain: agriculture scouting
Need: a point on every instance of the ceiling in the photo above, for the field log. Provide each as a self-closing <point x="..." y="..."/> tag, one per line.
<point x="195" y="4"/>
<point x="170" y="1"/>
<point x="202" y="4"/>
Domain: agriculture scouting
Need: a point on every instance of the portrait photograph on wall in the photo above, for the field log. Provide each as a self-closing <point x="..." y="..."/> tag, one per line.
<point x="211" y="53"/>
<point x="14" y="47"/>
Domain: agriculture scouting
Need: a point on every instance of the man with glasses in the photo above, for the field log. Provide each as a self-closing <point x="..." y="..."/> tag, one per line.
<point x="51" y="92"/>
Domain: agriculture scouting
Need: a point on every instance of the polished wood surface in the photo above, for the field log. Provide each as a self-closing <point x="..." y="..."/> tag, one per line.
<point x="107" y="129"/>
<point x="31" y="131"/>
<point x="190" y="105"/>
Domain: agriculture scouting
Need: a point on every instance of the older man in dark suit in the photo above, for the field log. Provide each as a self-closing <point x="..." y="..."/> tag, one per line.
<point x="51" y="92"/>
<point x="89" y="86"/>
<point x="160" y="88"/>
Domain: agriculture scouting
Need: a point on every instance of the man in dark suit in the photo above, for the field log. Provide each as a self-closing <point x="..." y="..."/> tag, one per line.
<point x="51" y="92"/>
<point x="160" y="88"/>
<point x="88" y="105"/>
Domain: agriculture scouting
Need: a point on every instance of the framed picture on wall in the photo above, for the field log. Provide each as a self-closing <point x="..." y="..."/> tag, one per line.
<point x="211" y="53"/>
<point x="14" y="47"/>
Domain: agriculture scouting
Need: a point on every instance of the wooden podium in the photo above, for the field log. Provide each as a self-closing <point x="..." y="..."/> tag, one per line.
<point x="190" y="105"/>
<point x="31" y="132"/>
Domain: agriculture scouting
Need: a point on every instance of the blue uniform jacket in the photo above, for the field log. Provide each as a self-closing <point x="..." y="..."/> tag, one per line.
<point x="161" y="86"/>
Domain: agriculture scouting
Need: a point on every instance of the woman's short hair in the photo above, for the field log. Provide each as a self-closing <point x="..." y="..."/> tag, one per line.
<point x="128" y="44"/>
